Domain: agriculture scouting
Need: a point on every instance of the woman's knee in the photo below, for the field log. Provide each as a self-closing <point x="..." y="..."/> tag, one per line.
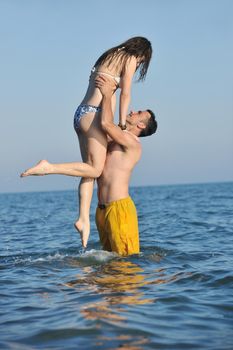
<point x="98" y="171"/>
<point x="97" y="167"/>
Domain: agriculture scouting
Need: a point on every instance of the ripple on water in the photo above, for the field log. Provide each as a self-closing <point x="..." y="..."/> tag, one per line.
<point x="176" y="294"/>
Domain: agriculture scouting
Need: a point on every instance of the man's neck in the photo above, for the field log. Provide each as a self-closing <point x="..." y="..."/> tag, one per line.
<point x="132" y="131"/>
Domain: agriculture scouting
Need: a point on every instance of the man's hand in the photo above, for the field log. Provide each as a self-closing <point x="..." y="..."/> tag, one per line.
<point x="106" y="85"/>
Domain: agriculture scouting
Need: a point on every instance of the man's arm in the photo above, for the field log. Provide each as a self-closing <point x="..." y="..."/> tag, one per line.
<point x="107" y="88"/>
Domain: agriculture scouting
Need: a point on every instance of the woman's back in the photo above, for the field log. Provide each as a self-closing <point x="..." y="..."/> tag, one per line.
<point x="93" y="95"/>
<point x="133" y="54"/>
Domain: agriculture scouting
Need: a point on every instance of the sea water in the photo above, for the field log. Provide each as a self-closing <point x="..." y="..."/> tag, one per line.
<point x="176" y="294"/>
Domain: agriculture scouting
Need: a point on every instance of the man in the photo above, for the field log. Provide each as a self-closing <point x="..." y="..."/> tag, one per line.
<point x="116" y="216"/>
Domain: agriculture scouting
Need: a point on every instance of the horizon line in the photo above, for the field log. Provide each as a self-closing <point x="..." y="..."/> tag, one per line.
<point x="130" y="187"/>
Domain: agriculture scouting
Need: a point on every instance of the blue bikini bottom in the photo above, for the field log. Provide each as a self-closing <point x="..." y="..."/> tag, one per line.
<point x="81" y="111"/>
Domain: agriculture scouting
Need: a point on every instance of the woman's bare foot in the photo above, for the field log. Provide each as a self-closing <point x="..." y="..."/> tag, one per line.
<point x="41" y="168"/>
<point x="84" y="229"/>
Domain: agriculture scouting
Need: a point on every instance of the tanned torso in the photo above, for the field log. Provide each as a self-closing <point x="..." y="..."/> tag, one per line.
<point x="113" y="184"/>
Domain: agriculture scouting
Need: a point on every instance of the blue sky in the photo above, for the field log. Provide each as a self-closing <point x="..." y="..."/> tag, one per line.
<point x="47" y="48"/>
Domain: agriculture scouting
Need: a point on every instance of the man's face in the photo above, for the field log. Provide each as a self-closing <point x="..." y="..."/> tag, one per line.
<point x="136" y="117"/>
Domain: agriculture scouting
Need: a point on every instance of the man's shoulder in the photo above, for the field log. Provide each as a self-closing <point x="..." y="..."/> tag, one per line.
<point x="128" y="142"/>
<point x="134" y="141"/>
<point x="134" y="148"/>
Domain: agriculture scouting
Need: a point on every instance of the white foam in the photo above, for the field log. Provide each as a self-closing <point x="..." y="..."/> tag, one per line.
<point x="30" y="259"/>
<point x="91" y="256"/>
<point x="98" y="255"/>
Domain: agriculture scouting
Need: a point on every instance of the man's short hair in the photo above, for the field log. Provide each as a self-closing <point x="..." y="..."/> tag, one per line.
<point x="151" y="125"/>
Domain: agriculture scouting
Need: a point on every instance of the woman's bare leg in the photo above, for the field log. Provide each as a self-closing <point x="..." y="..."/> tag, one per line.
<point x="85" y="192"/>
<point x="82" y="224"/>
<point x="43" y="167"/>
<point x="95" y="144"/>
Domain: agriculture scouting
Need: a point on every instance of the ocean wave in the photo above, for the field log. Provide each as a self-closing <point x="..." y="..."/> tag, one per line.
<point x="88" y="256"/>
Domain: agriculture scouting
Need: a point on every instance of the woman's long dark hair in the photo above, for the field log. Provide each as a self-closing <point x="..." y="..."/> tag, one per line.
<point x="138" y="47"/>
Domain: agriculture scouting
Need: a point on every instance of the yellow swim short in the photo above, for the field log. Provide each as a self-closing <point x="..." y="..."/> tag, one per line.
<point x="117" y="224"/>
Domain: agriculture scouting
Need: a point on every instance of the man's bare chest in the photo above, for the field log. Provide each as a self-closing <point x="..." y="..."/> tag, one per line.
<point x="114" y="147"/>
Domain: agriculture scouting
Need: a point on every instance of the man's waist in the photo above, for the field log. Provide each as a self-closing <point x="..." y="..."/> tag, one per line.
<point x="105" y="205"/>
<point x="111" y="192"/>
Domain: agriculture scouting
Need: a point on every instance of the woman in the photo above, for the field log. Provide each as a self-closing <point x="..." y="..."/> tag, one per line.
<point x="120" y="62"/>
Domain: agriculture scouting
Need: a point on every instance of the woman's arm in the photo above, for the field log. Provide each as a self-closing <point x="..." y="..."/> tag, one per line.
<point x="126" y="82"/>
<point x="107" y="89"/>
